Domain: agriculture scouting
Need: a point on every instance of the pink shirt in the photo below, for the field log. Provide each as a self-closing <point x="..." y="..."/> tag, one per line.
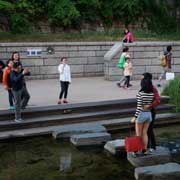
<point x="129" y="37"/>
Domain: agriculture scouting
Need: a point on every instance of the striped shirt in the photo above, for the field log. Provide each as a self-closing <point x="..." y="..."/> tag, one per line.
<point x="143" y="99"/>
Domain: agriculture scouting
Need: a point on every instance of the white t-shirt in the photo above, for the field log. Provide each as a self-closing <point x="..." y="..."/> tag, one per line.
<point x="64" y="72"/>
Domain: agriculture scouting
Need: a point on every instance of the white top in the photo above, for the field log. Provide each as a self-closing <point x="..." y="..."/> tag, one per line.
<point x="64" y="72"/>
<point x="128" y="69"/>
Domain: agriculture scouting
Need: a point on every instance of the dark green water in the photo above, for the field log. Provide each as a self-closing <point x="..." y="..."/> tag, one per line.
<point x="41" y="158"/>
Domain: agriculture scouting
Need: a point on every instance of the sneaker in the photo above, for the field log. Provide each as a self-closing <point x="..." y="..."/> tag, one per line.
<point x="59" y="102"/>
<point x="65" y="101"/>
<point x="11" y="108"/>
<point x="18" y="120"/>
<point x="119" y="85"/>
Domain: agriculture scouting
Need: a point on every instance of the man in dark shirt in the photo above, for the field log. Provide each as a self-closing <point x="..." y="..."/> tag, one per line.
<point x="17" y="83"/>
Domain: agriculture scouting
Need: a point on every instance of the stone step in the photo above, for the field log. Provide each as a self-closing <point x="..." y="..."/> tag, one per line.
<point x="115" y="147"/>
<point x="110" y="124"/>
<point x="90" y="139"/>
<point x="168" y="171"/>
<point x="79" y="107"/>
<point x="68" y="131"/>
<point x="160" y="156"/>
<point x="72" y="118"/>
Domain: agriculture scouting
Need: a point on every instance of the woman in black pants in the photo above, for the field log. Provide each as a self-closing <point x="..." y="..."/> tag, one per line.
<point x="155" y="103"/>
<point x="65" y="79"/>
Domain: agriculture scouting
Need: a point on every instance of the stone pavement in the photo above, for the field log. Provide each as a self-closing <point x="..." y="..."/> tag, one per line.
<point x="46" y="92"/>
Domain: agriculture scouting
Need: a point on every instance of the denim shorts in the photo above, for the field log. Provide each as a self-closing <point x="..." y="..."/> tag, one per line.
<point x="144" y="116"/>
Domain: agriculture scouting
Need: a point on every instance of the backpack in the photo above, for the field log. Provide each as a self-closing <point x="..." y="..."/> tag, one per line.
<point x="162" y="59"/>
<point x="121" y="62"/>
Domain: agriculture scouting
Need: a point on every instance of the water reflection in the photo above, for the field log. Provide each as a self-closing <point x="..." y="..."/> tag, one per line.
<point x="65" y="161"/>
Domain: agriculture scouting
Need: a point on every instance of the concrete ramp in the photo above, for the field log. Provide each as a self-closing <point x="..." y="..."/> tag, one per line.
<point x="117" y="47"/>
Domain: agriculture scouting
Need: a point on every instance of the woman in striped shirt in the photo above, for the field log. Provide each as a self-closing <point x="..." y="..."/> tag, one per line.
<point x="143" y="117"/>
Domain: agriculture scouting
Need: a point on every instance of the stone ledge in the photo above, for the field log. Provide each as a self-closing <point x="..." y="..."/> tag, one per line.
<point x="169" y="171"/>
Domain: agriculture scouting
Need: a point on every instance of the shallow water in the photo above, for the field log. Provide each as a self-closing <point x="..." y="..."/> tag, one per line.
<point x="43" y="158"/>
<point x="46" y="159"/>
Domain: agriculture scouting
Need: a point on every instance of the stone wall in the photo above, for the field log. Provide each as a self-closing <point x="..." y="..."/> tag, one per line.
<point x="85" y="58"/>
<point x="145" y="58"/>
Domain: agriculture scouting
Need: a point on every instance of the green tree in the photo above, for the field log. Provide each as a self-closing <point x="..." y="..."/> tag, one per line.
<point x="62" y="13"/>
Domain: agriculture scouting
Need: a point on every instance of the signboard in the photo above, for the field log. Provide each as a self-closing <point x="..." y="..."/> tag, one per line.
<point x="34" y="52"/>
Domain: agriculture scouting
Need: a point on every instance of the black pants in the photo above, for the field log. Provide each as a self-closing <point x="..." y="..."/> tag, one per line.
<point x="127" y="81"/>
<point x="151" y="136"/>
<point x="11" y="97"/>
<point x="64" y="89"/>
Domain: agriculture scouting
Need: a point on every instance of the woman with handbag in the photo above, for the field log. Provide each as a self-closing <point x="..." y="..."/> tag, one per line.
<point x="143" y="117"/>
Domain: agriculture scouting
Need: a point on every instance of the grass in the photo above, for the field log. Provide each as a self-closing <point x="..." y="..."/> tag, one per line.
<point x="107" y="35"/>
<point x="173" y="91"/>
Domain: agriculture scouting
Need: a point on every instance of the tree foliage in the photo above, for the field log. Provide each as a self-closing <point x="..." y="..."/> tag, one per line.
<point x="24" y="14"/>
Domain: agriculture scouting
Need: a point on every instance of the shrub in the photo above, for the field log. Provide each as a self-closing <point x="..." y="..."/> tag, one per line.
<point x="173" y="91"/>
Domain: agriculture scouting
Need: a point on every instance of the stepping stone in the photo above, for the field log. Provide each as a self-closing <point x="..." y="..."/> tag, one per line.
<point x="69" y="130"/>
<point x="159" y="156"/>
<point x="115" y="147"/>
<point x="169" y="171"/>
<point x="90" y="139"/>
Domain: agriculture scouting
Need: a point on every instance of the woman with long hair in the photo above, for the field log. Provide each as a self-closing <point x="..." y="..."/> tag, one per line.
<point x="143" y="116"/>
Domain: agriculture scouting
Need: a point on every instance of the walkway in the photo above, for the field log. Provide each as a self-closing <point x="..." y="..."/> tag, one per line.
<point x="46" y="92"/>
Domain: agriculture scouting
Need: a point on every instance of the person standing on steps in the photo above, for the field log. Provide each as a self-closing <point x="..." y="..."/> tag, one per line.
<point x="167" y="66"/>
<point x="25" y="94"/>
<point x="7" y="82"/>
<point x="17" y="83"/>
<point x="155" y="103"/>
<point x="121" y="63"/>
<point x="143" y="117"/>
<point x="65" y="79"/>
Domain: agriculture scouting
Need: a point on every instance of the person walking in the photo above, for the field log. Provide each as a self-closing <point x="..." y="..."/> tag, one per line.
<point x="25" y="94"/>
<point x="167" y="66"/>
<point x="128" y="37"/>
<point x="143" y="117"/>
<point x="121" y="63"/>
<point x="2" y="66"/>
<point x="7" y="83"/>
<point x="155" y="103"/>
<point x="127" y="71"/>
<point x="65" y="79"/>
<point x="17" y="82"/>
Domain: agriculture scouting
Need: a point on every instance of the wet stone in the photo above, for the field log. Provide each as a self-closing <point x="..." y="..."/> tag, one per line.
<point x="115" y="147"/>
<point x="90" y="139"/>
<point x="159" y="156"/>
<point x="169" y="171"/>
<point x="69" y="130"/>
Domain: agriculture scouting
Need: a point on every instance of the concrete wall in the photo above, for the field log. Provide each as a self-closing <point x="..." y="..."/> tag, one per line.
<point x="145" y="58"/>
<point x="87" y="58"/>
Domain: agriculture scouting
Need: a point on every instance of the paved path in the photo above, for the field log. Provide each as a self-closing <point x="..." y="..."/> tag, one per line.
<point x="46" y="92"/>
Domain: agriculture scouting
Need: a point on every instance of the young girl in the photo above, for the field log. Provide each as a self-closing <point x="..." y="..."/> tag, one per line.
<point x="6" y="82"/>
<point x="127" y="71"/>
<point x="65" y="79"/>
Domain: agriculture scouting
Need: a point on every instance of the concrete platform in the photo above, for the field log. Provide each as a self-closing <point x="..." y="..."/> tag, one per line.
<point x="90" y="139"/>
<point x="169" y="171"/>
<point x="69" y="130"/>
<point x="115" y="147"/>
<point x="91" y="89"/>
<point x="160" y="156"/>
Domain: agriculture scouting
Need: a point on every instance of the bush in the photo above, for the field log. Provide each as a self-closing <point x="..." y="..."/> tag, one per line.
<point x="20" y="24"/>
<point x="173" y="91"/>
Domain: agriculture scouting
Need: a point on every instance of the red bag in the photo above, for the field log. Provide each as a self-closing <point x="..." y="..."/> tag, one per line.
<point x="133" y="144"/>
